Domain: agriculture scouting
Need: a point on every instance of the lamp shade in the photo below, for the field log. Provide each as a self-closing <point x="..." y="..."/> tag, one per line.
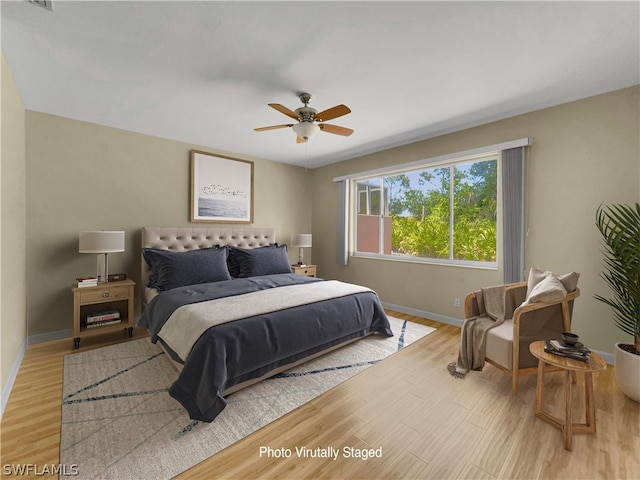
<point x="301" y="240"/>
<point x="101" y="241"/>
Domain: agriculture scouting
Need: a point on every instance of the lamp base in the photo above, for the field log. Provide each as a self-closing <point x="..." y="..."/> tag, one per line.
<point x="102" y="268"/>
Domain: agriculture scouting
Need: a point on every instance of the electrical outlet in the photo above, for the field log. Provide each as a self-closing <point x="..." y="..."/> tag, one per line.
<point x="456" y="302"/>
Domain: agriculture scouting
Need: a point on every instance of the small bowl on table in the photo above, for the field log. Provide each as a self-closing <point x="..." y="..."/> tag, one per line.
<point x="569" y="338"/>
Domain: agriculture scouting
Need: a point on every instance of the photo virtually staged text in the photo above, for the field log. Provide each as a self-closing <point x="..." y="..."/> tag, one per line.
<point x="320" y="452"/>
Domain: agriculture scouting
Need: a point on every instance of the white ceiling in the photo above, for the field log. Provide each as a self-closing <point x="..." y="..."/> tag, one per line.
<point x="203" y="72"/>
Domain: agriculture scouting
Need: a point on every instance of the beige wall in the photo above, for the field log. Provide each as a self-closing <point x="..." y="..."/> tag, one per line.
<point x="82" y="176"/>
<point x="584" y="153"/>
<point x="13" y="317"/>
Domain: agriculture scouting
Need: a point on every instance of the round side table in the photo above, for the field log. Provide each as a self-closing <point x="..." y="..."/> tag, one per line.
<point x="595" y="364"/>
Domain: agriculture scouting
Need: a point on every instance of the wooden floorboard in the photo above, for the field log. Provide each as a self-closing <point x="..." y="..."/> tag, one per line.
<point x="427" y="423"/>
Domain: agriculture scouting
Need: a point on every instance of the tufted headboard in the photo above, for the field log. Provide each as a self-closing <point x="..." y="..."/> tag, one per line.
<point x="180" y="239"/>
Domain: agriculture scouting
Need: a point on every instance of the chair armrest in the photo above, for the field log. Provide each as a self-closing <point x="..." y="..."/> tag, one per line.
<point x="530" y="307"/>
<point x="471" y="308"/>
<point x="517" y="285"/>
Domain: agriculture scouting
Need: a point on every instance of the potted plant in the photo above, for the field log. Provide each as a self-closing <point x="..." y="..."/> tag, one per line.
<point x="619" y="225"/>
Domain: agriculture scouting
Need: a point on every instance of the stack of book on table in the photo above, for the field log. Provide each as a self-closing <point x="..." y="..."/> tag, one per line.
<point x="100" y="319"/>
<point x="87" y="281"/>
<point x="577" y="351"/>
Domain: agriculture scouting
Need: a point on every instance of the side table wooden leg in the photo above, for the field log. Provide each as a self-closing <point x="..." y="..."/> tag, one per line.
<point x="590" y="405"/>
<point x="568" y="421"/>
<point x="537" y="408"/>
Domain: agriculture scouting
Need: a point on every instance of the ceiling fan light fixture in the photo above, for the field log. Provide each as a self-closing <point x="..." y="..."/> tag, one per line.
<point x="306" y="130"/>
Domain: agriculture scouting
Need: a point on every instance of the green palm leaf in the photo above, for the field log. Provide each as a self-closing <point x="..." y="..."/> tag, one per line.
<point x="619" y="225"/>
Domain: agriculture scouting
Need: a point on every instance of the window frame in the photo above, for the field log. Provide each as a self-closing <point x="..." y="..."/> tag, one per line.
<point x="421" y="166"/>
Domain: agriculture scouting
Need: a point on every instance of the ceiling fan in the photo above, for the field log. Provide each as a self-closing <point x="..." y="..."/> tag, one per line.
<point x="310" y="120"/>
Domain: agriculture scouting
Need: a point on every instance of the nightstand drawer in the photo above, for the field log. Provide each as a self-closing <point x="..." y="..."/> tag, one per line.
<point x="106" y="293"/>
<point x="308" y="270"/>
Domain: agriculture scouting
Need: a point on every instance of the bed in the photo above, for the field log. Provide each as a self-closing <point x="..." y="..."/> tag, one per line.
<point x="225" y="306"/>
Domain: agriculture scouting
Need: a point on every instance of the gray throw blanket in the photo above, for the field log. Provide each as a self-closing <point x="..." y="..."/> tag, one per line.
<point x="491" y="306"/>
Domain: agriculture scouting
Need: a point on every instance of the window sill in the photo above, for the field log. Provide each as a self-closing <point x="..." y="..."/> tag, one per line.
<point x="428" y="261"/>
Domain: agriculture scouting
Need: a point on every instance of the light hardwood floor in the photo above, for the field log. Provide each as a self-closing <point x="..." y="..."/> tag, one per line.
<point x="428" y="424"/>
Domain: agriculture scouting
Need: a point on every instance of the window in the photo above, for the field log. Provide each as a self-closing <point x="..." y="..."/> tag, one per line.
<point x="445" y="213"/>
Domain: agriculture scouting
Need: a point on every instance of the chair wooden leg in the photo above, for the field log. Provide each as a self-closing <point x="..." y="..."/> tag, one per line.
<point x="514" y="385"/>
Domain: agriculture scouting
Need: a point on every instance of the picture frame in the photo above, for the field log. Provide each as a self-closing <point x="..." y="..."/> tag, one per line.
<point x="221" y="188"/>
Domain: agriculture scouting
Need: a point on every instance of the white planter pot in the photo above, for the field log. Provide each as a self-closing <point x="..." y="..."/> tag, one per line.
<point x="627" y="369"/>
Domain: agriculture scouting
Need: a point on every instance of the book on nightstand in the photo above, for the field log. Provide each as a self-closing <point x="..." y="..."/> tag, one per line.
<point x="87" y="281"/>
<point x="97" y="317"/>
<point x="103" y="323"/>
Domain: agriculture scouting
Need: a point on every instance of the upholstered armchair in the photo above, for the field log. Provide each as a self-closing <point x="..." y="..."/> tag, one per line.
<point x="507" y="345"/>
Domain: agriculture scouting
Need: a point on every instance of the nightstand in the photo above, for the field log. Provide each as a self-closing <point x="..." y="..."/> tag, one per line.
<point x="307" y="270"/>
<point x="104" y="308"/>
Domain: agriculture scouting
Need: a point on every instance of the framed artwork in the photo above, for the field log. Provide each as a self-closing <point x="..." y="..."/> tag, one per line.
<point x="221" y="188"/>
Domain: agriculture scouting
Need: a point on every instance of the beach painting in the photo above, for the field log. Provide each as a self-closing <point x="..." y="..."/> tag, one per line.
<point x="221" y="188"/>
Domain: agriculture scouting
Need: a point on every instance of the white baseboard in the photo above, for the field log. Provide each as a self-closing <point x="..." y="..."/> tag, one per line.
<point x="30" y="340"/>
<point x="6" y="390"/>
<point x="421" y="313"/>
<point x="58" y="334"/>
<point x="608" y="357"/>
<point x="49" y="336"/>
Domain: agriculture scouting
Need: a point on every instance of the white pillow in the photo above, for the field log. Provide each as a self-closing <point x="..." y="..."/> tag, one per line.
<point x="569" y="281"/>
<point x="549" y="289"/>
<point x="536" y="275"/>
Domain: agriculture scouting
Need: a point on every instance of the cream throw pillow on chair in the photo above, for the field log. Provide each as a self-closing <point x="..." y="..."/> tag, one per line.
<point x="546" y="286"/>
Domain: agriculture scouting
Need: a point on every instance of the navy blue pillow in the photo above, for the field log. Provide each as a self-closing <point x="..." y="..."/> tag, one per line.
<point x="232" y="260"/>
<point x="252" y="262"/>
<point x="176" y="269"/>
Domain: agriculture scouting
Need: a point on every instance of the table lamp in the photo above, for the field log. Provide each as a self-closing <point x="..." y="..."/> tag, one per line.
<point x="101" y="242"/>
<point x="301" y="240"/>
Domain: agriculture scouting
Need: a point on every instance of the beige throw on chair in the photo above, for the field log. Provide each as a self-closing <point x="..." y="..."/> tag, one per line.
<point x="491" y="303"/>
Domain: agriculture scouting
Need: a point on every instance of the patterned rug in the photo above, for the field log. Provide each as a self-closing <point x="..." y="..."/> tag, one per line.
<point x="119" y="422"/>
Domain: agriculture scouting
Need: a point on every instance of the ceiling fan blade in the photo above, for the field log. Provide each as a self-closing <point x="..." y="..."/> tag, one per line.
<point x="272" y="127"/>
<point x="333" y="112"/>
<point x="285" y="110"/>
<point x="335" y="129"/>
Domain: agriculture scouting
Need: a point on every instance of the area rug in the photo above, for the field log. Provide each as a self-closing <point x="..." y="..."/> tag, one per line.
<point x="119" y="422"/>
